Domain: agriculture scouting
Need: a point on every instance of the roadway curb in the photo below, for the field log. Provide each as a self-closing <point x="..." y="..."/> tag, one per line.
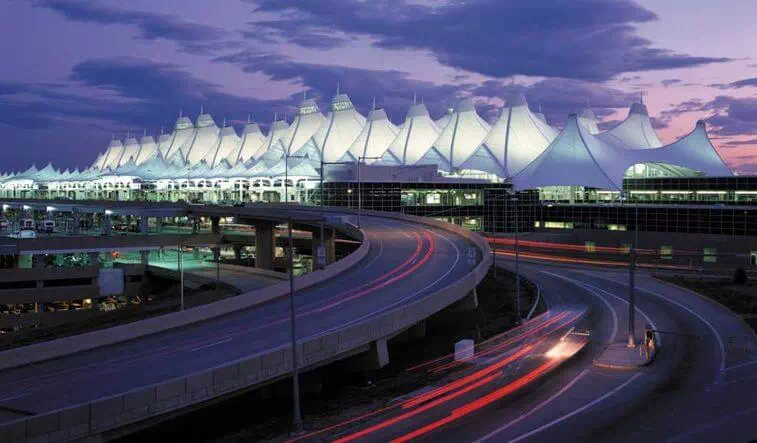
<point x="621" y="366"/>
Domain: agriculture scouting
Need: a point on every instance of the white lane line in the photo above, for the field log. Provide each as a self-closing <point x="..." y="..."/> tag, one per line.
<point x="13" y="397"/>
<point x="398" y="302"/>
<point x="643" y="314"/>
<point x="577" y="411"/>
<point x="690" y="311"/>
<point x="741" y="365"/>
<point x="607" y="303"/>
<point x="210" y="345"/>
<point x="536" y="408"/>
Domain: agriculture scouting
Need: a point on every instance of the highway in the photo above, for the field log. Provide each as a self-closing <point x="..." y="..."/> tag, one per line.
<point x="696" y="389"/>
<point x="406" y="262"/>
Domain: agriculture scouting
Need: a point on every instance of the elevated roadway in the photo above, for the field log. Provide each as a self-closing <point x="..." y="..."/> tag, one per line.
<point x="413" y="268"/>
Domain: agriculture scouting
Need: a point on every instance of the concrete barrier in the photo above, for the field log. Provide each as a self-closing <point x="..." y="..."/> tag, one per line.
<point x="106" y="414"/>
<point x="55" y="348"/>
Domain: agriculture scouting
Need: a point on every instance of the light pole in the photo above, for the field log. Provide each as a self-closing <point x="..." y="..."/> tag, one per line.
<point x="359" y="189"/>
<point x="180" y="257"/>
<point x="517" y="262"/>
<point x="297" y="420"/>
<point x="632" y="280"/>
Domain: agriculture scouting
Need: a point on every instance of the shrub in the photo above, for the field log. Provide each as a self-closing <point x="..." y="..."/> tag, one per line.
<point x="739" y="276"/>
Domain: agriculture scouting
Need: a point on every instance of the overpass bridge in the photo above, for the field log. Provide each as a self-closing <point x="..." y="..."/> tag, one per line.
<point x="111" y="382"/>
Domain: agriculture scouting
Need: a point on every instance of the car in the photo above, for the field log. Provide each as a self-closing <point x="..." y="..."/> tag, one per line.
<point x="4" y="224"/>
<point x="24" y="234"/>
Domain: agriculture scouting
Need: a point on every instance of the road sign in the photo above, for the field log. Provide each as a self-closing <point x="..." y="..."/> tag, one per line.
<point x="320" y="256"/>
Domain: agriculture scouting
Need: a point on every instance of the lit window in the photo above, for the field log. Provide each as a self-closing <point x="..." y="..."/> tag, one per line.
<point x="666" y="252"/>
<point x="590" y="246"/>
<point x="710" y="255"/>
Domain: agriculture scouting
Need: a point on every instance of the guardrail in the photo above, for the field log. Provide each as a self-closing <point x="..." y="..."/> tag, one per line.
<point x="98" y="416"/>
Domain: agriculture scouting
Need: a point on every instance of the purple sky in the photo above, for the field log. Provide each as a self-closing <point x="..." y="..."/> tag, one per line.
<point x="75" y="72"/>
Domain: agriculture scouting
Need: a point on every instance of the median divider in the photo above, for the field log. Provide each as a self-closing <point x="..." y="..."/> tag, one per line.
<point x="83" y="342"/>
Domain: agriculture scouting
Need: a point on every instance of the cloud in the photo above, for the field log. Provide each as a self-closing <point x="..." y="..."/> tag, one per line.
<point x="671" y="82"/>
<point x="736" y="143"/>
<point x="190" y="37"/>
<point x="748" y="82"/>
<point x="583" y="39"/>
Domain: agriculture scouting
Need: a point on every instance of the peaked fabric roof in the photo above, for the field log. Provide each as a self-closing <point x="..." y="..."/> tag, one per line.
<point x="375" y="138"/>
<point x="147" y="149"/>
<point x="298" y="139"/>
<point x="342" y="127"/>
<point x="225" y="145"/>
<point x="462" y="135"/>
<point x="252" y="140"/>
<point x="635" y="132"/>
<point x="271" y="150"/>
<point x="515" y="140"/>
<point x="183" y="130"/>
<point x="416" y="136"/>
<point x="588" y="120"/>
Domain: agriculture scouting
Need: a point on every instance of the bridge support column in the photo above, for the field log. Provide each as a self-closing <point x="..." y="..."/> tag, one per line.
<point x="106" y="224"/>
<point x="469" y="302"/>
<point x="215" y="225"/>
<point x="377" y="357"/>
<point x="418" y="330"/>
<point x="76" y="222"/>
<point x="265" y="244"/>
<point x="145" y="257"/>
<point x="328" y="243"/>
<point x="94" y="259"/>
<point x="237" y="253"/>
<point x="144" y="225"/>
<point x="38" y="261"/>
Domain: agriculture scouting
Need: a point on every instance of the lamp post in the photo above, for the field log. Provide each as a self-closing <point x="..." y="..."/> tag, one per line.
<point x="517" y="262"/>
<point x="180" y="257"/>
<point x="359" y="188"/>
<point x="297" y="420"/>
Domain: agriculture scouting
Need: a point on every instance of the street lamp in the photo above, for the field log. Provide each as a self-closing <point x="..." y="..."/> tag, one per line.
<point x="359" y="189"/>
<point x="517" y="263"/>
<point x="297" y="421"/>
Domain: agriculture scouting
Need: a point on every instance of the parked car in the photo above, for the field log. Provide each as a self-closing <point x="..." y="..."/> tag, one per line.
<point x="24" y="234"/>
<point x="4" y="224"/>
<point x="46" y="226"/>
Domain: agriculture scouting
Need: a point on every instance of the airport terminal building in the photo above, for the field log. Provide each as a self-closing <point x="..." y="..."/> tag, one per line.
<point x="518" y="172"/>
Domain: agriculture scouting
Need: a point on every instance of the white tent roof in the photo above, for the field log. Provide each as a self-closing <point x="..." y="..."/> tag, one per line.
<point x="515" y="140"/>
<point x="588" y="120"/>
<point x="635" y="132"/>
<point x="228" y="141"/>
<point x="568" y="161"/>
<point x="271" y="150"/>
<point x="445" y="119"/>
<point x="343" y="125"/>
<point x="184" y="130"/>
<point x="462" y="135"/>
<point x="113" y="154"/>
<point x="203" y="142"/>
<point x="375" y="138"/>
<point x="164" y="143"/>
<point x="147" y="149"/>
<point x="298" y="139"/>
<point x="131" y="149"/>
<point x="252" y="140"/>
<point x="578" y="158"/>
<point x="416" y="136"/>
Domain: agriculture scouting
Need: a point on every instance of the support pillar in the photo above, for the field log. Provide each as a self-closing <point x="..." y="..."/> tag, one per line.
<point x="328" y="243"/>
<point x="215" y="225"/>
<point x="265" y="244"/>
<point x="469" y="302"/>
<point x="38" y="261"/>
<point x="106" y="224"/>
<point x="94" y="259"/>
<point x="76" y="221"/>
<point x="144" y="225"/>
<point x="145" y="257"/>
<point x="237" y="253"/>
<point x="378" y="356"/>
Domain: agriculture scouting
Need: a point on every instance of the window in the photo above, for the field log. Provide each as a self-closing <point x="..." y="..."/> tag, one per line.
<point x="590" y="246"/>
<point x="753" y="258"/>
<point x="433" y="199"/>
<point x="710" y="255"/>
<point x="666" y="252"/>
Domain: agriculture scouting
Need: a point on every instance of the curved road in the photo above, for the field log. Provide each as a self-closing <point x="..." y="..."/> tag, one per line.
<point x="406" y="262"/>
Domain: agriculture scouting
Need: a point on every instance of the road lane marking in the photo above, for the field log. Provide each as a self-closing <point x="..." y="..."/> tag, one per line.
<point x="740" y="365"/>
<point x="210" y="345"/>
<point x="607" y="303"/>
<point x="13" y="397"/>
<point x="691" y="311"/>
<point x="577" y="411"/>
<point x="536" y="408"/>
<point x="643" y="314"/>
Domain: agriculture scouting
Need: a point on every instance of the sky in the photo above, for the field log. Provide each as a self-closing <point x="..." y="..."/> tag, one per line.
<point x="76" y="73"/>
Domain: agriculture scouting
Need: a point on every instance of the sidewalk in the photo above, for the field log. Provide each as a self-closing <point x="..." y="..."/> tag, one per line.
<point x="620" y="356"/>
